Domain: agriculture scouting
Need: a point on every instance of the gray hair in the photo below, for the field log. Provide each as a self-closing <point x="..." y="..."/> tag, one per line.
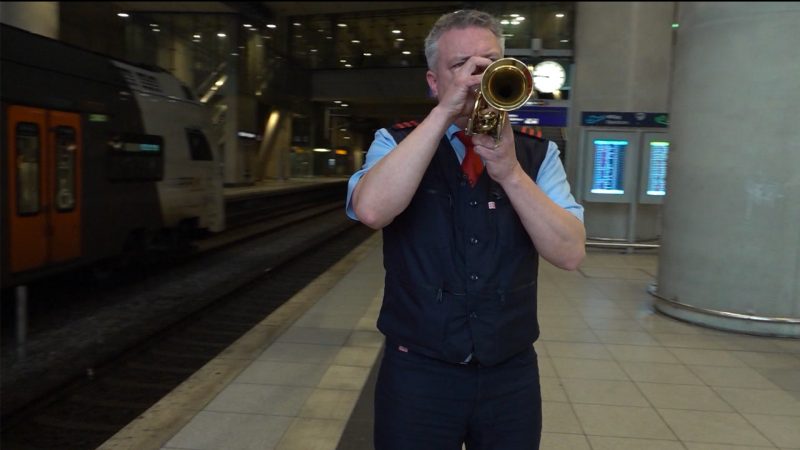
<point x="459" y="19"/>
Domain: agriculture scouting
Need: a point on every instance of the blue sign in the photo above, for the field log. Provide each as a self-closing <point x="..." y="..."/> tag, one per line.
<point x="624" y="119"/>
<point x="544" y="116"/>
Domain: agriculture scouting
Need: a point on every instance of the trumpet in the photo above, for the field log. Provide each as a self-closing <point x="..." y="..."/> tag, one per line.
<point x="506" y="85"/>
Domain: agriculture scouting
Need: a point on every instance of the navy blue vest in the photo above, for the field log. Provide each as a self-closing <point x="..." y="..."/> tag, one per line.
<point x="460" y="268"/>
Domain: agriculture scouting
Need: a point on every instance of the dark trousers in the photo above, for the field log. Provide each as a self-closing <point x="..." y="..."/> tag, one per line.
<point x="427" y="404"/>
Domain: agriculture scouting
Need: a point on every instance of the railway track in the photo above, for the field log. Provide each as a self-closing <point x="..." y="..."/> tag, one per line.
<point x="188" y="323"/>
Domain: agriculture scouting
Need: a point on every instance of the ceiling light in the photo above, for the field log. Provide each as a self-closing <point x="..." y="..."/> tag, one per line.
<point x="337" y="101"/>
<point x="341" y="25"/>
<point x="560" y="15"/>
<point x="348" y="66"/>
<point x="222" y="35"/>
<point x="355" y="41"/>
<point x="154" y="25"/>
<point x="367" y="54"/>
<point x="247" y="25"/>
<point x="271" y="25"/>
<point x="345" y="105"/>
<point x="406" y="52"/>
<point x="196" y="36"/>
<point x="396" y="31"/>
<point x="342" y="60"/>
<point x="313" y="50"/>
<point x="565" y="40"/>
<point x="400" y="40"/>
<point x="504" y="22"/>
<point x="297" y="24"/>
<point x="156" y="30"/>
<point x="124" y="15"/>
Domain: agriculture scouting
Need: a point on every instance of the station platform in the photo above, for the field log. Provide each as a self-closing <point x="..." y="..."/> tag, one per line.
<point x="289" y="184"/>
<point x="614" y="374"/>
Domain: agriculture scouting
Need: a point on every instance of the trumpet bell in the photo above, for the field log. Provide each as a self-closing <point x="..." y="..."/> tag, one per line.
<point x="506" y="85"/>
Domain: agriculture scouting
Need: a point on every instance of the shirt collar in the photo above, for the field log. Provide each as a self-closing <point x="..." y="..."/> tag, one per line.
<point x="451" y="132"/>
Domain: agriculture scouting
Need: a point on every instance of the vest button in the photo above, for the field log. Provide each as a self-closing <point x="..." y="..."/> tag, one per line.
<point x="473" y="315"/>
<point x="473" y="277"/>
<point x="473" y="203"/>
<point x="473" y="241"/>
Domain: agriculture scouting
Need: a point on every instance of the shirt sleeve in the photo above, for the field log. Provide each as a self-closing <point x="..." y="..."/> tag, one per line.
<point x="553" y="181"/>
<point x="381" y="146"/>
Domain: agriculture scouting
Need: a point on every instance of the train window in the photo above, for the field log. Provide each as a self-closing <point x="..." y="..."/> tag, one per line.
<point x="198" y="145"/>
<point x="28" y="168"/>
<point x="66" y="146"/>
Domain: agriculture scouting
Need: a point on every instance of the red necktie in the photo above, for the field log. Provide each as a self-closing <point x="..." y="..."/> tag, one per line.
<point x="472" y="164"/>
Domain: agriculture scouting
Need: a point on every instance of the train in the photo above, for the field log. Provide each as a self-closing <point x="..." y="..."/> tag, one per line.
<point x="101" y="157"/>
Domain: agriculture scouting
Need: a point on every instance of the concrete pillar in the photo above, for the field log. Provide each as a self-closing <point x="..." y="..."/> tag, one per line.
<point x="730" y="254"/>
<point x="36" y="17"/>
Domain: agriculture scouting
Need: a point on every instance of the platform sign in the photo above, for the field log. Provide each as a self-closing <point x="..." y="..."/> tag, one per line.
<point x="657" y="175"/>
<point x="544" y="116"/>
<point x="610" y="171"/>
<point x="608" y="174"/>
<point x="653" y="173"/>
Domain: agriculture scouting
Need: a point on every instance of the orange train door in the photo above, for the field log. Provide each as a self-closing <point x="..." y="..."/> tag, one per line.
<point x="44" y="160"/>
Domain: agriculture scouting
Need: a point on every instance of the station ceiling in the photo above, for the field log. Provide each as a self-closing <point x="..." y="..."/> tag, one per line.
<point x="326" y="35"/>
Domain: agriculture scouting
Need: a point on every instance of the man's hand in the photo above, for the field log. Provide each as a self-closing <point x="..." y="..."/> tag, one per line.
<point x="500" y="156"/>
<point x="458" y="97"/>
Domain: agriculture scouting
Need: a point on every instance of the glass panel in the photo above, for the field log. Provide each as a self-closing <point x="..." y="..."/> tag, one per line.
<point x="28" y="168"/>
<point x="65" y="168"/>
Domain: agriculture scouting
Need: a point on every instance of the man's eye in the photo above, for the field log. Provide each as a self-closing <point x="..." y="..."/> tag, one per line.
<point x="458" y="64"/>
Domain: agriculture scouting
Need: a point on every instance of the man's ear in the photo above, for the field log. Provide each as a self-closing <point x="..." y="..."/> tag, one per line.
<point x="433" y="91"/>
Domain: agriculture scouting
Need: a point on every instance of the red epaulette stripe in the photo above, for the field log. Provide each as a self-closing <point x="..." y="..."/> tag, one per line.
<point x="401" y="125"/>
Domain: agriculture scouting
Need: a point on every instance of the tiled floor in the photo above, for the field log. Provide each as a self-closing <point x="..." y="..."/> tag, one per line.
<point x="615" y="375"/>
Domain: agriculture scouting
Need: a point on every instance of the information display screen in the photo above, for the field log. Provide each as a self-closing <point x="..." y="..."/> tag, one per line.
<point x="657" y="176"/>
<point x="608" y="176"/>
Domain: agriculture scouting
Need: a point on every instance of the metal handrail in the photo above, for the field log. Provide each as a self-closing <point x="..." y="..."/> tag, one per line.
<point x="725" y="314"/>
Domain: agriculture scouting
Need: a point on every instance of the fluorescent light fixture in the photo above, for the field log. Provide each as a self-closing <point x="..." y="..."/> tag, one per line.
<point x="322" y="150"/>
<point x="123" y="15"/>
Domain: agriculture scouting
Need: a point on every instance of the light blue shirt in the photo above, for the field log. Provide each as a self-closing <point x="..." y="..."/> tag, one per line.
<point x="551" y="177"/>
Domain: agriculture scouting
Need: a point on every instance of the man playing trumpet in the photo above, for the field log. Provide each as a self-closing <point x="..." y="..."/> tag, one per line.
<point x="464" y="223"/>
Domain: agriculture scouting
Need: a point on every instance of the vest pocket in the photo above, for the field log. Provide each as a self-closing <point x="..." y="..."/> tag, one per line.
<point x="517" y="323"/>
<point x="414" y="315"/>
